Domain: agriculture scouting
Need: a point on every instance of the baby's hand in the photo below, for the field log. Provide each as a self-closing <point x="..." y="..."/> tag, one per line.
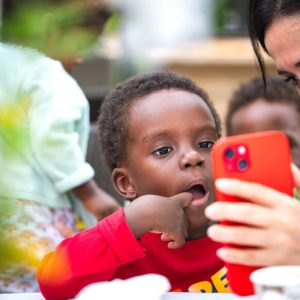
<point x="160" y="214"/>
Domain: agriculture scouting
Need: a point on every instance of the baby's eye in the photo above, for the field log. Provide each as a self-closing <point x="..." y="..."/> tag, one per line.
<point x="205" y="144"/>
<point x="162" y="151"/>
<point x="292" y="79"/>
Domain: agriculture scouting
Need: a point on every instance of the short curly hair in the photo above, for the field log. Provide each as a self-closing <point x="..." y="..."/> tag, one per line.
<point x="115" y="110"/>
<point x="276" y="91"/>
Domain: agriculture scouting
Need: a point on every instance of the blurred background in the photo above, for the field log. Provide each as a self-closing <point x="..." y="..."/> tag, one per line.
<point x="101" y="42"/>
<point x="113" y="39"/>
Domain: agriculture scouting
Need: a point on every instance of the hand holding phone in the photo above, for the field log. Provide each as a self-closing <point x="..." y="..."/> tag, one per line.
<point x="262" y="157"/>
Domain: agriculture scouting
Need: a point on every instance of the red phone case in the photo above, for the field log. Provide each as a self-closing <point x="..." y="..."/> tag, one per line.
<point x="261" y="157"/>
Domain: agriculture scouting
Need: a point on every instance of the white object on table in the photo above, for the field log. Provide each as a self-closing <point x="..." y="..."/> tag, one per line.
<point x="146" y="287"/>
<point x="277" y="282"/>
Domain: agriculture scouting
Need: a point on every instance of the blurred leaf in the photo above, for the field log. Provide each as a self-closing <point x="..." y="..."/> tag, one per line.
<point x="55" y="28"/>
<point x="11" y="253"/>
<point x="223" y="13"/>
<point x="13" y="120"/>
<point x="113" y="24"/>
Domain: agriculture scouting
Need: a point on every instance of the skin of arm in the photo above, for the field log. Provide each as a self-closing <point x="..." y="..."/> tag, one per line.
<point x="96" y="200"/>
<point x="273" y="229"/>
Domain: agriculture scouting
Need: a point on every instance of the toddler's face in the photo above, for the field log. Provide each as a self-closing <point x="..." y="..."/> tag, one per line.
<point x="171" y="133"/>
<point x="262" y="115"/>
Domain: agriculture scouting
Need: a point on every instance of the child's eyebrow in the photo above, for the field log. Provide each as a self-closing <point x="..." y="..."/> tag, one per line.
<point x="157" y="134"/>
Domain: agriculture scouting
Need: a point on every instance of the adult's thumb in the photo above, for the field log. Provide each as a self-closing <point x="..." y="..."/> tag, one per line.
<point x="184" y="199"/>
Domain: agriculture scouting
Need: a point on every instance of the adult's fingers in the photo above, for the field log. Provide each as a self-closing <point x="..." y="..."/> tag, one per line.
<point x="253" y="256"/>
<point x="253" y="192"/>
<point x="239" y="235"/>
<point x="241" y="212"/>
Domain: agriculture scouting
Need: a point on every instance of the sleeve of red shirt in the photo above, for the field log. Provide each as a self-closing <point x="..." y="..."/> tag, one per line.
<point x="90" y="256"/>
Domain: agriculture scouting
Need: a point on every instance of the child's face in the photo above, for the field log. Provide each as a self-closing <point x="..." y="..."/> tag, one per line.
<point x="262" y="115"/>
<point x="171" y="133"/>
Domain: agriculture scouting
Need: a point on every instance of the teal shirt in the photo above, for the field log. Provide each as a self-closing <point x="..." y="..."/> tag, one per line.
<point x="51" y="116"/>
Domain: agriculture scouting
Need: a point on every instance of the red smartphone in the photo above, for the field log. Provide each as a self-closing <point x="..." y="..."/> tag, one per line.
<point x="261" y="157"/>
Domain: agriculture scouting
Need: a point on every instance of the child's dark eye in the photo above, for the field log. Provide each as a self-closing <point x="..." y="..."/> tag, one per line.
<point x="205" y="144"/>
<point x="292" y="79"/>
<point x="162" y="151"/>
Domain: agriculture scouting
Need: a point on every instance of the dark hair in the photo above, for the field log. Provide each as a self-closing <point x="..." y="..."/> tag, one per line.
<point x="115" y="110"/>
<point x="276" y="90"/>
<point x="261" y="14"/>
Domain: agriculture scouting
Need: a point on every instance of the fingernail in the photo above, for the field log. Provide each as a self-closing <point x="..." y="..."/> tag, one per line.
<point x="210" y="231"/>
<point x="208" y="211"/>
<point x="222" y="184"/>
<point x="221" y="253"/>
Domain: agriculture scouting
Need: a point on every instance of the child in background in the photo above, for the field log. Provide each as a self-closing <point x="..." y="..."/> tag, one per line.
<point x="252" y="109"/>
<point x="157" y="131"/>
<point x="44" y="127"/>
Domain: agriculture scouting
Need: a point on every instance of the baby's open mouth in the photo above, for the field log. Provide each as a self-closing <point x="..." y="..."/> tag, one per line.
<point x="198" y="191"/>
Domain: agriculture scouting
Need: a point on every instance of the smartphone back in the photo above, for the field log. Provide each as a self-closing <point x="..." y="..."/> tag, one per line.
<point x="261" y="157"/>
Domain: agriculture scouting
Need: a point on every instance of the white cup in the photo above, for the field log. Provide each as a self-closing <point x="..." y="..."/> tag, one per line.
<point x="277" y="283"/>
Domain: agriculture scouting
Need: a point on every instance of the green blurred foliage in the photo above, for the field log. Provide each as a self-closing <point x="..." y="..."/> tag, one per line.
<point x="113" y="24"/>
<point x="225" y="10"/>
<point x="222" y="14"/>
<point x="57" y="28"/>
<point x="10" y="253"/>
<point x="12" y="126"/>
<point x="12" y="133"/>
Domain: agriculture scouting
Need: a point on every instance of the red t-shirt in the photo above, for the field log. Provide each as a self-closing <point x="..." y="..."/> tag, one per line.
<point x="109" y="250"/>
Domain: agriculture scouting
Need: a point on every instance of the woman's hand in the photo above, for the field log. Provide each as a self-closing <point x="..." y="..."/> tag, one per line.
<point x="272" y="224"/>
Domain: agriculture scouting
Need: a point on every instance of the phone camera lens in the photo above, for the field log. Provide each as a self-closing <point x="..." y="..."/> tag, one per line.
<point x="229" y="153"/>
<point x="243" y="164"/>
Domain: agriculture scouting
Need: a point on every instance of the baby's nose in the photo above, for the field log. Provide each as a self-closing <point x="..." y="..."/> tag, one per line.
<point x="192" y="159"/>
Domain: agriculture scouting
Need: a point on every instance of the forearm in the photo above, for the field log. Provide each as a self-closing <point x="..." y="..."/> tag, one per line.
<point x="96" y="200"/>
<point x="87" y="191"/>
<point x="137" y="218"/>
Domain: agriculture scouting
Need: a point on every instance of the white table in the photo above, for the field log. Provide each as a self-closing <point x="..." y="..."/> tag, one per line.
<point x="198" y="296"/>
<point x="22" y="296"/>
<point x="166" y="296"/>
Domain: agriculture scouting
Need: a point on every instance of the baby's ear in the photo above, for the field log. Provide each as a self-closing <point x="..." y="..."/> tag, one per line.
<point x="123" y="183"/>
